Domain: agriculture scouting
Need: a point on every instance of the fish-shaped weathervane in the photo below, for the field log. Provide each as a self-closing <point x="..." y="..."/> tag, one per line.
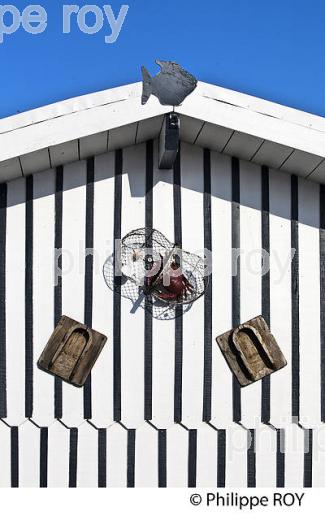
<point x="171" y="85"/>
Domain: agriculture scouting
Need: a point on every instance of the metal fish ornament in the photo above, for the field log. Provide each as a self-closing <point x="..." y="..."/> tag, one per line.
<point x="171" y="85"/>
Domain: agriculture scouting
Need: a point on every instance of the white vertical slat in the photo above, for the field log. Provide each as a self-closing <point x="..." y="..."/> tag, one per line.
<point x="73" y="268"/>
<point x="221" y="284"/>
<point x="294" y="443"/>
<point x="15" y="301"/>
<point x="309" y="304"/>
<point x="207" y="456"/>
<point x="319" y="457"/>
<point x="177" y="456"/>
<point x="193" y="320"/>
<point x="146" y="457"/>
<point x="116" y="456"/>
<point x="266" y="451"/>
<point x="163" y="332"/>
<point x="43" y="282"/>
<point x="102" y="373"/>
<point x="5" y="462"/>
<point x="87" y="461"/>
<point x="250" y="272"/>
<point x="280" y="292"/>
<point x="29" y="455"/>
<point x="58" y="456"/>
<point x="236" y="456"/>
<point x="132" y="323"/>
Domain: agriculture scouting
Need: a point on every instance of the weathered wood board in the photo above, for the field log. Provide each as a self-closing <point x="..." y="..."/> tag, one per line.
<point x="251" y="351"/>
<point x="71" y="351"/>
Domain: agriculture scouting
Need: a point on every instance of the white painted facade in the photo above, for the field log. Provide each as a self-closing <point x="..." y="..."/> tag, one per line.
<point x="145" y="446"/>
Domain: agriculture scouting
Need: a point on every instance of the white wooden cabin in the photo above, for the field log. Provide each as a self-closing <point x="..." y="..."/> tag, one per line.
<point x="161" y="408"/>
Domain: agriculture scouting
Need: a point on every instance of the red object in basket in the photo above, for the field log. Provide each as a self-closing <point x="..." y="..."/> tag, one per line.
<point x="170" y="285"/>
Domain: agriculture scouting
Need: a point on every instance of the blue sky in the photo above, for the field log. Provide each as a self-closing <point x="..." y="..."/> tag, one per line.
<point x="274" y="50"/>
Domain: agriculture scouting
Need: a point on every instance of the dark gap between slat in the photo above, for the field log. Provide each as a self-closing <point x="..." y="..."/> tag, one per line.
<point x="221" y="476"/>
<point x="89" y="261"/>
<point x="131" y="458"/>
<point x="117" y="286"/>
<point x="295" y="332"/>
<point x="178" y="377"/>
<point x="14" y="448"/>
<point x="73" y="454"/>
<point x="266" y="381"/>
<point x="280" y="458"/>
<point x="207" y="382"/>
<point x="102" y="455"/>
<point x="43" y="457"/>
<point x="162" y="458"/>
<point x="192" y="458"/>
<point x="29" y="354"/>
<point x="235" y="167"/>
<point x="251" y="459"/>
<point x="322" y="292"/>
<point x="148" y="304"/>
<point x="3" y="355"/>
<point x="58" y="286"/>
<point x="308" y="459"/>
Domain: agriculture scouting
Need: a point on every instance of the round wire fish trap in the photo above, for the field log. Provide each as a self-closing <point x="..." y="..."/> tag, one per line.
<point x="152" y="265"/>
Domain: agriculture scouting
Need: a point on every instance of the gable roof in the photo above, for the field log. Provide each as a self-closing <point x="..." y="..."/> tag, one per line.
<point x="223" y="120"/>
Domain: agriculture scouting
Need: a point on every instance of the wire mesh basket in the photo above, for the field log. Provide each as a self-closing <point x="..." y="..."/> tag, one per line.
<point x="150" y="264"/>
